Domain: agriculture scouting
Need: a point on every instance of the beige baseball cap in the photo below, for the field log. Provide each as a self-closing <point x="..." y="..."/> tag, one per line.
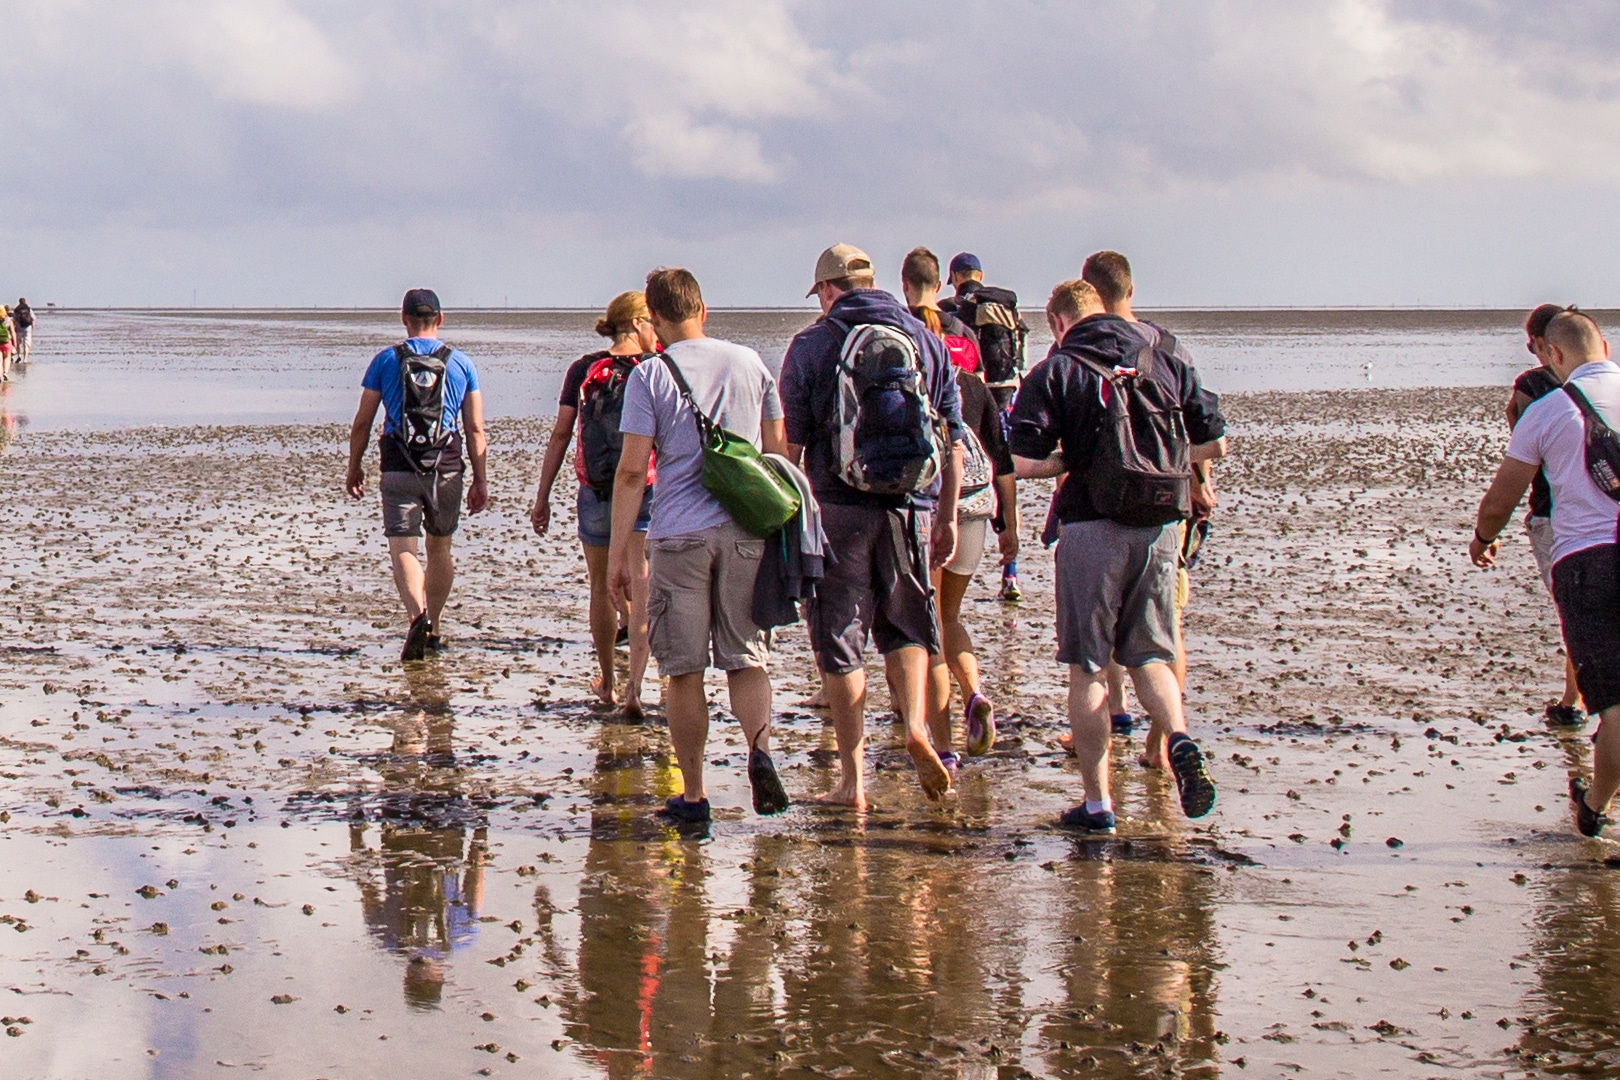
<point x="840" y="261"/>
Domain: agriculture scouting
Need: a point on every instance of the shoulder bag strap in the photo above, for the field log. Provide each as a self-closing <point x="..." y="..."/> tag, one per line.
<point x="705" y="425"/>
<point x="1585" y="406"/>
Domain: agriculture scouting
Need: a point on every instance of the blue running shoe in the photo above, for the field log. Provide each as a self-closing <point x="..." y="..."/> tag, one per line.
<point x="1123" y="723"/>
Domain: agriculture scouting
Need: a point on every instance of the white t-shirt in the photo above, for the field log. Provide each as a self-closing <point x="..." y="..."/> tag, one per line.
<point x="733" y="387"/>
<point x="1551" y="434"/>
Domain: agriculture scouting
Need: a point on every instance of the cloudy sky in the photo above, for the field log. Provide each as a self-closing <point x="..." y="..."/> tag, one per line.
<point x="1242" y="152"/>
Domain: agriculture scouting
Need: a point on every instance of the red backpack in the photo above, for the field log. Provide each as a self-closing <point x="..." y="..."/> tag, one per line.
<point x="963" y="352"/>
<point x="601" y="404"/>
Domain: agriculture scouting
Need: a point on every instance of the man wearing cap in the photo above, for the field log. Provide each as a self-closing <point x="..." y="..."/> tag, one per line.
<point x="422" y="459"/>
<point x="883" y="545"/>
<point x="993" y="314"/>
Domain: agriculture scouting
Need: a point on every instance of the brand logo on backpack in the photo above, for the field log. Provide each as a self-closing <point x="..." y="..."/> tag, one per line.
<point x="601" y="405"/>
<point x="1140" y="471"/>
<point x="422" y="429"/>
<point x="887" y="432"/>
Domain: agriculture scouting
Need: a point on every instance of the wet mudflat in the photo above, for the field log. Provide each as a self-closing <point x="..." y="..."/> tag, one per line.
<point x="238" y="837"/>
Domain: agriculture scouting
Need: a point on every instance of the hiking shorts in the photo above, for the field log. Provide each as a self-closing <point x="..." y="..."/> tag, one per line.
<point x="700" y="600"/>
<point x="970" y="537"/>
<point x="1541" y="542"/>
<point x="1116" y="594"/>
<point x="1586" y="588"/>
<point x="878" y="587"/>
<point x="595" y="515"/>
<point x="412" y="502"/>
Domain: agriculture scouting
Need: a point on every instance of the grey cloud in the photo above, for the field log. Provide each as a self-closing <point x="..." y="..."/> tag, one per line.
<point x="749" y="123"/>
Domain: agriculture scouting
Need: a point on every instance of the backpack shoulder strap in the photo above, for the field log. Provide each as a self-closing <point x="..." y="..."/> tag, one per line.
<point x="442" y="353"/>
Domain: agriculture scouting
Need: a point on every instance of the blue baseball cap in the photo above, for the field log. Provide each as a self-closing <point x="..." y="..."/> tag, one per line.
<point x="965" y="261"/>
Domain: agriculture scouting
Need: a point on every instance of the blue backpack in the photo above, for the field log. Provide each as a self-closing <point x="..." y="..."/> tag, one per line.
<point x="888" y="435"/>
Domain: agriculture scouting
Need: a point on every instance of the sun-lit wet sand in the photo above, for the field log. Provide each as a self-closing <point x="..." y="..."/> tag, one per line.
<point x="237" y="836"/>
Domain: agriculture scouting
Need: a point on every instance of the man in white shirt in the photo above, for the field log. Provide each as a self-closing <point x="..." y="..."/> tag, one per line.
<point x="1551" y="436"/>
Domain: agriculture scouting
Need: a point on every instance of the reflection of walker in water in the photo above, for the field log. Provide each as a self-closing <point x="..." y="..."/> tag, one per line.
<point x="430" y="897"/>
<point x="432" y="887"/>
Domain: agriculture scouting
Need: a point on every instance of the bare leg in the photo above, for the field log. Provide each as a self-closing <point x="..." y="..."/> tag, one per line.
<point x="907" y="671"/>
<point x="1088" y="723"/>
<point x="1572" y="693"/>
<point x="1115" y="677"/>
<point x="638" y="629"/>
<point x="751" y="704"/>
<point x="1605" y="760"/>
<point x="846" y="700"/>
<point x="687" y="709"/>
<point x="1156" y="689"/>
<point x="954" y="634"/>
<point x="939" y="685"/>
<point x="604" y="621"/>
<point x="441" y="573"/>
<point x="409" y="580"/>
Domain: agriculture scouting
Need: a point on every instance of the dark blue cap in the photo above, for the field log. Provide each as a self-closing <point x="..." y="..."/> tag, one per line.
<point x="965" y="261"/>
<point x="421" y="304"/>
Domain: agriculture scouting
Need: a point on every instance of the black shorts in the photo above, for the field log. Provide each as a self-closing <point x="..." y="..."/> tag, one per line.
<point x="878" y="587"/>
<point x="412" y="501"/>
<point x="1586" y="588"/>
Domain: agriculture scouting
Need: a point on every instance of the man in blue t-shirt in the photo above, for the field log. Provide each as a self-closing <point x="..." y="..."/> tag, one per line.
<point x="422" y="459"/>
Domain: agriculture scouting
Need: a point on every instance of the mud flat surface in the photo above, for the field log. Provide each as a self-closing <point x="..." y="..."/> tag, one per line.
<point x="237" y="837"/>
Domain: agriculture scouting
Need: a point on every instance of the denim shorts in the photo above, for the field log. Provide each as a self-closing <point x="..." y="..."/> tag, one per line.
<point x="595" y="514"/>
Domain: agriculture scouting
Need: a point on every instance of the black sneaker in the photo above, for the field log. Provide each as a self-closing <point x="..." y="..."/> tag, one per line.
<point x="769" y="795"/>
<point x="1192" y="779"/>
<point x="435" y="643"/>
<point x="679" y="809"/>
<point x="1587" y="820"/>
<point x="416" y="640"/>
<point x="1078" y="817"/>
<point x="1123" y="723"/>
<point x="622" y="638"/>
<point x="1564" y="715"/>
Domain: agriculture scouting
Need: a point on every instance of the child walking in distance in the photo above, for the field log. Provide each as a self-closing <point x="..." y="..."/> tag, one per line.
<point x="433" y="427"/>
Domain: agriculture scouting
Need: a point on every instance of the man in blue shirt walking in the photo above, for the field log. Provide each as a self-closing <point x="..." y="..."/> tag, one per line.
<point x="433" y="412"/>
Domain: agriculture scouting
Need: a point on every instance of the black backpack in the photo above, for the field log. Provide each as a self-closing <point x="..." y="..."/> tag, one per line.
<point x="1140" y="472"/>
<point x="601" y="404"/>
<point x="1602" y="448"/>
<point x="993" y="314"/>
<point x="422" y="433"/>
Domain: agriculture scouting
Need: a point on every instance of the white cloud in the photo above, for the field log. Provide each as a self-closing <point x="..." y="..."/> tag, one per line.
<point x="260" y="51"/>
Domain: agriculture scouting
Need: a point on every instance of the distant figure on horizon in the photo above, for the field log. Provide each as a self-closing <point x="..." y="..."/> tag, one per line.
<point x="5" y="344"/>
<point x="1531" y="386"/>
<point x="1553" y="434"/>
<point x="429" y="393"/>
<point x="22" y="321"/>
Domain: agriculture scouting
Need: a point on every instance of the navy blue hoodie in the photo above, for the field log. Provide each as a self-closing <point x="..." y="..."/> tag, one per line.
<point x="809" y="385"/>
<point x="1060" y="406"/>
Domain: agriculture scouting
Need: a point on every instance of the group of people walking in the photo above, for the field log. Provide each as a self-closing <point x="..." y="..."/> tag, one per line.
<point x="858" y="490"/>
<point x="16" y="336"/>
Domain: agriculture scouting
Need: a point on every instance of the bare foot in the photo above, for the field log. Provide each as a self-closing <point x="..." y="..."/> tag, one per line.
<point x="931" y="772"/>
<point x="850" y="793"/>
<point x="1155" y="751"/>
<point x="603" y="690"/>
<point x="817" y="700"/>
<point x="1065" y="742"/>
<point x="632" y="709"/>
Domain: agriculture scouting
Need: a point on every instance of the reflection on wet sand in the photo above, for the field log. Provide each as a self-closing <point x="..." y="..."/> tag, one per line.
<point x="422" y="886"/>
<point x="845" y="949"/>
